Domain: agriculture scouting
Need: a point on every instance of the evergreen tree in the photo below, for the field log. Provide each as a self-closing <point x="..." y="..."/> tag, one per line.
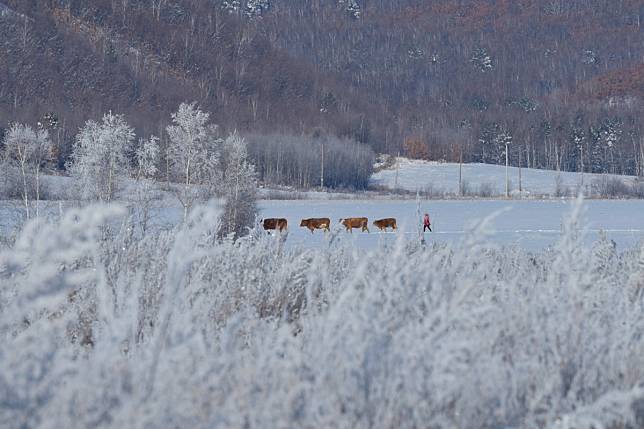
<point x="231" y="6"/>
<point x="597" y="161"/>
<point x="490" y="143"/>
<point x="611" y="135"/>
<point x="481" y="60"/>
<point x="502" y="141"/>
<point x="578" y="142"/>
<point x="256" y="8"/>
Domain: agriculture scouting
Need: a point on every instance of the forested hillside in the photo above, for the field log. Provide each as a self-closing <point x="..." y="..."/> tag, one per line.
<point x="560" y="81"/>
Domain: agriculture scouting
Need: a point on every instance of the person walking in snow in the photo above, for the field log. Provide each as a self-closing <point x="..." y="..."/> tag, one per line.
<point x="426" y="223"/>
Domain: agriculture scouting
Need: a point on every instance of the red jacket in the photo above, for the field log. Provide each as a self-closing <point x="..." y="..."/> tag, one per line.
<point x="426" y="220"/>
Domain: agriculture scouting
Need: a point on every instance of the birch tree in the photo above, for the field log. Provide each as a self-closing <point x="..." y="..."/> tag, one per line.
<point x="99" y="158"/>
<point x="28" y="150"/>
<point x="193" y="154"/>
<point x="239" y="187"/>
<point x="147" y="157"/>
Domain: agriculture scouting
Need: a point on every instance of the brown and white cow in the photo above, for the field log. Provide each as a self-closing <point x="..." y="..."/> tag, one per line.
<point x="316" y="223"/>
<point x="383" y="224"/>
<point x="355" y="222"/>
<point x="279" y="224"/>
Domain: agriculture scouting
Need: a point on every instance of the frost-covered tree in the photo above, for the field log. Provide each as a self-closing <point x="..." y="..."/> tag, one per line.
<point x="249" y="8"/>
<point x="481" y="60"/>
<point x="590" y="58"/>
<point x="256" y="8"/>
<point x="597" y="159"/>
<point x="526" y="104"/>
<point x="28" y="150"/>
<point x="239" y="187"/>
<point x="604" y="142"/>
<point x="502" y="141"/>
<point x="611" y="134"/>
<point x="416" y="53"/>
<point x="578" y="141"/>
<point x="147" y="157"/>
<point x="351" y="7"/>
<point x="193" y="154"/>
<point x="231" y="6"/>
<point x="99" y="160"/>
<point x="491" y="144"/>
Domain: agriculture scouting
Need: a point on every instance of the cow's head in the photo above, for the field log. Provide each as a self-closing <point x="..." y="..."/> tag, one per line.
<point x="304" y="222"/>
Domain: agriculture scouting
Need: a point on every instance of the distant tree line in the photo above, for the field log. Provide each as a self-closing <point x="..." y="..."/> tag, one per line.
<point x="309" y="161"/>
<point x="458" y="79"/>
<point x="601" y="142"/>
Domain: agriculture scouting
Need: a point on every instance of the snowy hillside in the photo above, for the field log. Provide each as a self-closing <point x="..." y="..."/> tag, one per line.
<point x="443" y="178"/>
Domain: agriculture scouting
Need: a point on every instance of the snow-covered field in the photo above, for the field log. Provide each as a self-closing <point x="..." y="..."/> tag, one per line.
<point x="436" y="177"/>
<point x="530" y="224"/>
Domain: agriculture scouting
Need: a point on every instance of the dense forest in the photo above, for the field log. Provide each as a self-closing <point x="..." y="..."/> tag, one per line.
<point x="561" y="82"/>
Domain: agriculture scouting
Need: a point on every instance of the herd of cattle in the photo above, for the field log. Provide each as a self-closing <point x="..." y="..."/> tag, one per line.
<point x="324" y="223"/>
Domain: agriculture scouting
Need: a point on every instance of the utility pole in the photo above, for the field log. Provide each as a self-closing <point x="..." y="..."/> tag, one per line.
<point x="396" y="177"/>
<point x="507" y="179"/>
<point x="322" y="167"/>
<point x="582" y="165"/>
<point x="641" y="163"/>
<point x="520" y="186"/>
<point x="641" y="156"/>
<point x="460" y="173"/>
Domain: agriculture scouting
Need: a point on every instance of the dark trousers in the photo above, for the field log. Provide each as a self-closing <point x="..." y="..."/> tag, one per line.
<point x="427" y="227"/>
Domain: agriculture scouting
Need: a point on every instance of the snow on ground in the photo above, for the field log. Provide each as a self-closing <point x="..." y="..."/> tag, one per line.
<point x="529" y="224"/>
<point x="418" y="175"/>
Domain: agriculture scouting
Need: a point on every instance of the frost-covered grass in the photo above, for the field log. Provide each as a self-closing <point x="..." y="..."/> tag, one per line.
<point x="102" y="327"/>
<point x="442" y="179"/>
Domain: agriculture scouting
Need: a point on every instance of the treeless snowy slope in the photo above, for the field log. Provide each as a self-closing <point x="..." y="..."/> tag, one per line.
<point x="417" y="175"/>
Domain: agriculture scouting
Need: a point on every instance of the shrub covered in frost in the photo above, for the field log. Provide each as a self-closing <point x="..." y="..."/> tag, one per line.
<point x="104" y="328"/>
